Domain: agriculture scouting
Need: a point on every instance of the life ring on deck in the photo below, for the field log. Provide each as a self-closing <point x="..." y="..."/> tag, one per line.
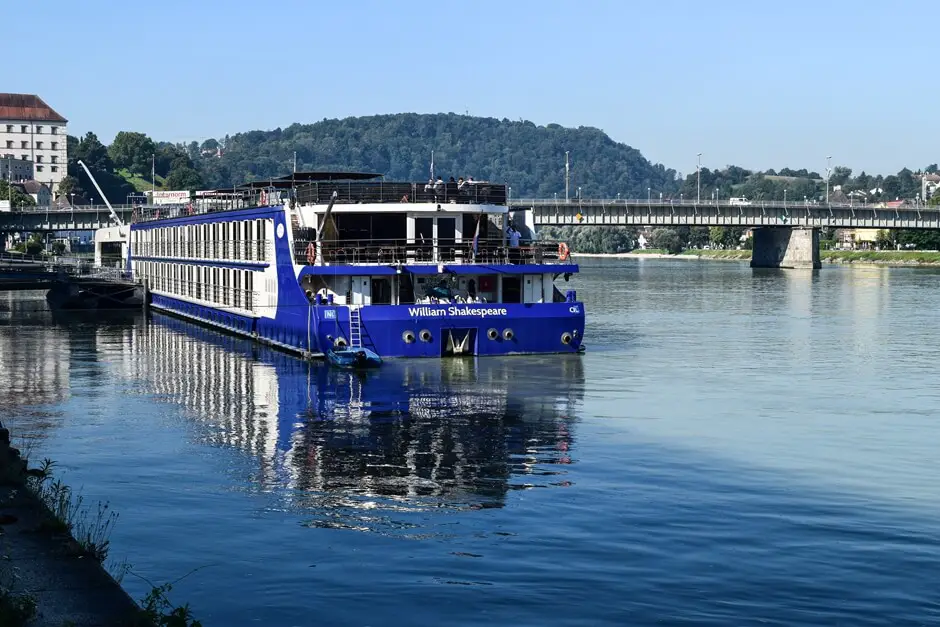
<point x="563" y="251"/>
<point x="311" y="252"/>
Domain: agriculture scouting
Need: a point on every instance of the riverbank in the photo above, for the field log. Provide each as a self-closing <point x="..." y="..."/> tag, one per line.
<point x="46" y="579"/>
<point x="866" y="257"/>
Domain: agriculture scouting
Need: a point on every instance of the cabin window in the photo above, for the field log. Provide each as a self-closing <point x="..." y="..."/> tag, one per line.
<point x="406" y="289"/>
<point x="381" y="291"/>
<point x="512" y="289"/>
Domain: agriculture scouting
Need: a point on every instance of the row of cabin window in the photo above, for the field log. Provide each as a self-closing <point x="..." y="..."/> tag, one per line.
<point x="229" y="287"/>
<point x="244" y="240"/>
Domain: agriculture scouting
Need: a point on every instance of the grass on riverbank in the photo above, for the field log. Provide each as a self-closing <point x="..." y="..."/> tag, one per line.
<point x="719" y="254"/>
<point x="881" y="256"/>
<point x="648" y="251"/>
<point x="900" y="257"/>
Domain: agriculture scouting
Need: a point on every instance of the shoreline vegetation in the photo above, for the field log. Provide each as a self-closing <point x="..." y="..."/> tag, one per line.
<point x="862" y="257"/>
<point x="54" y="550"/>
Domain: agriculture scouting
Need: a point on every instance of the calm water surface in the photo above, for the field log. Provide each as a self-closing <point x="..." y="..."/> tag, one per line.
<point x="736" y="447"/>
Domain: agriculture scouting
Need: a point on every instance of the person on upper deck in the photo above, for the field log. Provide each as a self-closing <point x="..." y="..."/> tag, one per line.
<point x="514" y="235"/>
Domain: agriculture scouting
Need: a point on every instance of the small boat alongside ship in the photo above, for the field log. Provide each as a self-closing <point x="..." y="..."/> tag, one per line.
<point x="346" y="266"/>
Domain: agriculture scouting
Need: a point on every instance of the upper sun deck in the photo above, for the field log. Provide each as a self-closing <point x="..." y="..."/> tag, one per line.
<point x="351" y="189"/>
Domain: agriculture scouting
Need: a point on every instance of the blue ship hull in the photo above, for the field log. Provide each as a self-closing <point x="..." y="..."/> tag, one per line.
<point x="414" y="330"/>
<point x="394" y="330"/>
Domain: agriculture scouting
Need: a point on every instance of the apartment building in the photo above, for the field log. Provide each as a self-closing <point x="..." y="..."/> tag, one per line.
<point x="31" y="130"/>
<point x="15" y="169"/>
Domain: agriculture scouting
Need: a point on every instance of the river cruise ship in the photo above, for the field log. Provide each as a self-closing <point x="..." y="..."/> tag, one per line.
<point x="319" y="261"/>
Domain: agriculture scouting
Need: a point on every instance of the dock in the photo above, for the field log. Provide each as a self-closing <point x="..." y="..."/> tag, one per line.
<point x="72" y="283"/>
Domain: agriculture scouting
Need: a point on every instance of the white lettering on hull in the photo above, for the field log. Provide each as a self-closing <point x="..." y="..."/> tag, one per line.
<point x="475" y="312"/>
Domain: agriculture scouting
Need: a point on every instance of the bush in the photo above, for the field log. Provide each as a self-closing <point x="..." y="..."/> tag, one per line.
<point x="668" y="240"/>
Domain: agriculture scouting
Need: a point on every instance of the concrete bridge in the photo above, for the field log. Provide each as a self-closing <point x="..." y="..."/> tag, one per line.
<point x="550" y="212"/>
<point x="723" y="213"/>
<point x="786" y="234"/>
<point x="781" y="228"/>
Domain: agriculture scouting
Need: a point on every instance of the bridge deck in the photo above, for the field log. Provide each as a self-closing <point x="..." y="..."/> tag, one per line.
<point x="589" y="212"/>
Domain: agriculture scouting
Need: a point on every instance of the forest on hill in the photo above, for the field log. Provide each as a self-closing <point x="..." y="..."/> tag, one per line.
<point x="530" y="158"/>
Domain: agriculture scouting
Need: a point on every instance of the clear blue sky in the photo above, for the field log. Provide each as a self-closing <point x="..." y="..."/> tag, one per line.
<point x="756" y="84"/>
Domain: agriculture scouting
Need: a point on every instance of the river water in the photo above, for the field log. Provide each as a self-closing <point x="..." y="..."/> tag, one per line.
<point x="736" y="446"/>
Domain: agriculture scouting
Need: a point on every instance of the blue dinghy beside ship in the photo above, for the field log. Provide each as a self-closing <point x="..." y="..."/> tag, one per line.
<point x="318" y="261"/>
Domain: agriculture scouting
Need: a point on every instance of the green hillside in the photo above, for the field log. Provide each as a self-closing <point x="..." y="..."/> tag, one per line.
<point x="138" y="182"/>
<point x="530" y="158"/>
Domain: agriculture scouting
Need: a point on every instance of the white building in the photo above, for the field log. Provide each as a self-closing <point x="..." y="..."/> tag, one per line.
<point x="30" y="130"/>
<point x="15" y="169"/>
<point x="40" y="192"/>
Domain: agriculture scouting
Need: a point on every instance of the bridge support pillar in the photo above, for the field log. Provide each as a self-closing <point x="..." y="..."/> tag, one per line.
<point x="786" y="247"/>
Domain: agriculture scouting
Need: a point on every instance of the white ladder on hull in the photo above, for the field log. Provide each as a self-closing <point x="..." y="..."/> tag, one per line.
<point x="355" y="328"/>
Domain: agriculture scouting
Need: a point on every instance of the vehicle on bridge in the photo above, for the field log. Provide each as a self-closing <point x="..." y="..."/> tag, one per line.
<point x="317" y="261"/>
<point x="739" y="202"/>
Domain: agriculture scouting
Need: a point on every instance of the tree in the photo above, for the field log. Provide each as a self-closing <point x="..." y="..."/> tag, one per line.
<point x="884" y="239"/>
<point x="839" y="175"/>
<point x="18" y="198"/>
<point x="725" y="237"/>
<point x="32" y="246"/>
<point x="132" y="151"/>
<point x="66" y="186"/>
<point x="167" y="154"/>
<point x="698" y="236"/>
<point x="183" y="179"/>
<point x="891" y="187"/>
<point x="93" y="154"/>
<point x="666" y="239"/>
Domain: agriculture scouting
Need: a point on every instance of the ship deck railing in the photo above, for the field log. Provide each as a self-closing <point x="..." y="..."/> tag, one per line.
<point x="354" y="192"/>
<point x="476" y="193"/>
<point x="410" y="251"/>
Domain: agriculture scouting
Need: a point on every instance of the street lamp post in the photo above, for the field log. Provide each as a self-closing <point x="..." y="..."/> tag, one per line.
<point x="579" y="193"/>
<point x="567" y="169"/>
<point x="784" y="196"/>
<point x="698" y="179"/>
<point x="649" y="194"/>
<point x="828" y="171"/>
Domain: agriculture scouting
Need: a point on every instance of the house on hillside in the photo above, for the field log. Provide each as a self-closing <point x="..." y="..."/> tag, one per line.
<point x="39" y="192"/>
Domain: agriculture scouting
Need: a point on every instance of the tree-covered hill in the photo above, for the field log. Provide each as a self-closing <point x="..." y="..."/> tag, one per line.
<point x="530" y="158"/>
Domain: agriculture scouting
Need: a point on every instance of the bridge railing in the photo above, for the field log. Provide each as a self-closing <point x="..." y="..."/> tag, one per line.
<point x="709" y="202"/>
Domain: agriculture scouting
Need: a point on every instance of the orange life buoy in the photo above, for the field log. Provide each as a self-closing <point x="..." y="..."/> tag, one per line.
<point x="311" y="252"/>
<point x="563" y="252"/>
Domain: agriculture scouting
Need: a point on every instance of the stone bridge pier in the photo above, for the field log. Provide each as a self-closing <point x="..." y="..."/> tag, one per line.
<point x="786" y="247"/>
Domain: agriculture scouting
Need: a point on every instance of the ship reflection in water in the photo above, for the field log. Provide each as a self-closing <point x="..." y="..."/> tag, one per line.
<point x="412" y="435"/>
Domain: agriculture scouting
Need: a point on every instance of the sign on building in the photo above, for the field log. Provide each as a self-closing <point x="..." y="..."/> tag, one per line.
<point x="170" y="198"/>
